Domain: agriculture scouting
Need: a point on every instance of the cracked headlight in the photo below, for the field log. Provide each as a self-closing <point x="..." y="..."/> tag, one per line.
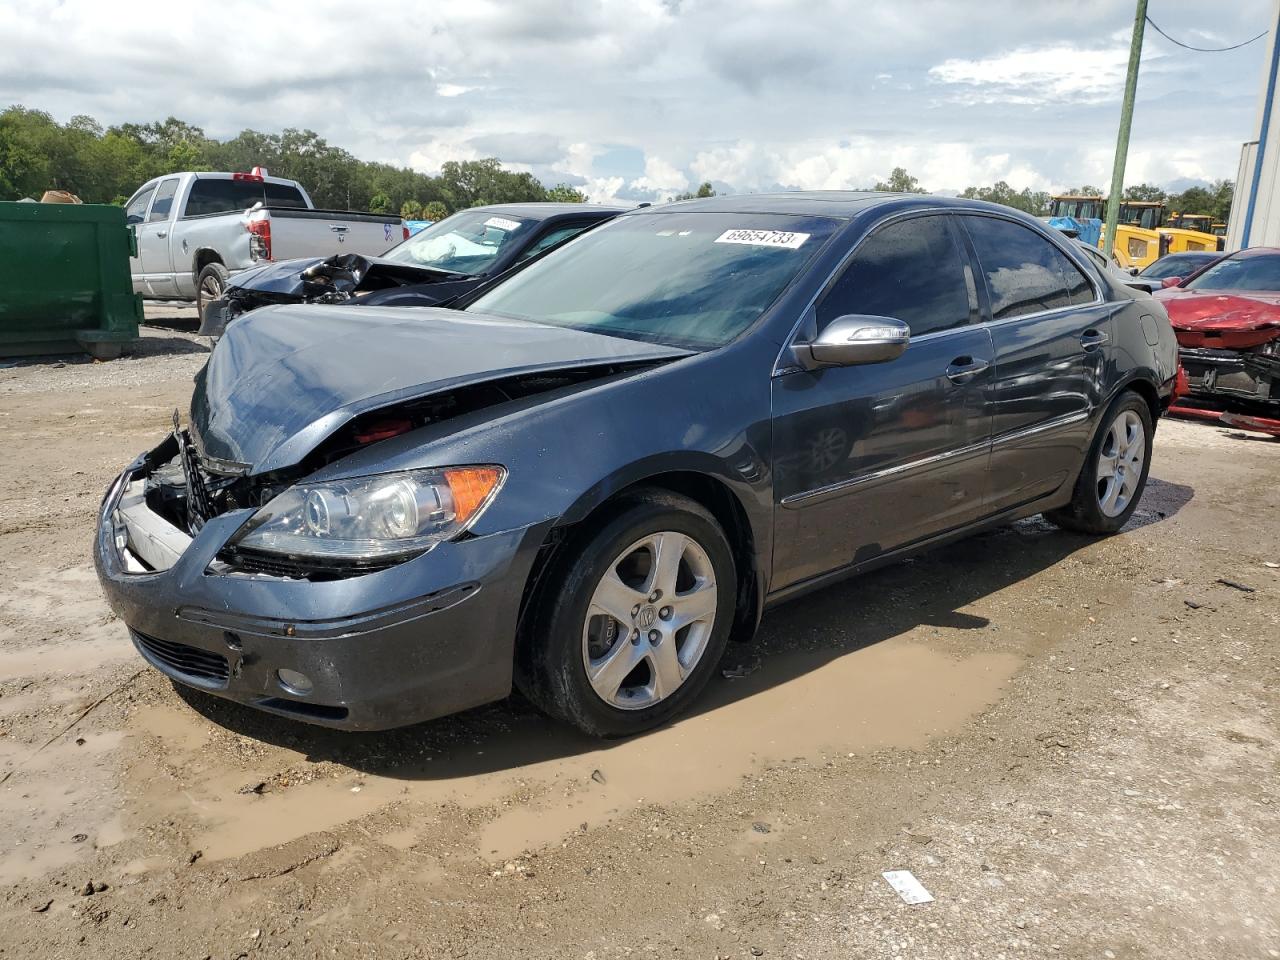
<point x="389" y="515"/>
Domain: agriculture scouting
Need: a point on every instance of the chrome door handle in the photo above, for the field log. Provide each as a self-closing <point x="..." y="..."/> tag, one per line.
<point x="162" y="234"/>
<point x="964" y="369"/>
<point x="1093" y="339"/>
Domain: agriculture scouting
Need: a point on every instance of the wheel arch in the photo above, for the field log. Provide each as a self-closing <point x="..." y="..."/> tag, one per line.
<point x="1144" y="388"/>
<point x="708" y="490"/>
<point x="203" y="257"/>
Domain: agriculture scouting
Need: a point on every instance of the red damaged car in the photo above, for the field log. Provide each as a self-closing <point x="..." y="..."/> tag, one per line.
<point x="1227" y="320"/>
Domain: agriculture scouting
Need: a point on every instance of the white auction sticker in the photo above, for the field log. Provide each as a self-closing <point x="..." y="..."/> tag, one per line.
<point x="502" y="223"/>
<point x="764" y="238"/>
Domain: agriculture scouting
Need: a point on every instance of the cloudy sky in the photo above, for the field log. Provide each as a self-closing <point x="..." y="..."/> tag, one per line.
<point x="638" y="99"/>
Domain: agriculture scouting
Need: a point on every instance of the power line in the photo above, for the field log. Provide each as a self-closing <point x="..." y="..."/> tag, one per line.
<point x="1188" y="46"/>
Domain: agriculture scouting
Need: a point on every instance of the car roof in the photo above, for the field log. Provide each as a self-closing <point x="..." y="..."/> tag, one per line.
<point x="1254" y="252"/>
<point x="836" y="204"/>
<point x="544" y="211"/>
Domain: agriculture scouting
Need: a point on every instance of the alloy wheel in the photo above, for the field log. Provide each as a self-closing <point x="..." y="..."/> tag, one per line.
<point x="1120" y="463"/>
<point x="649" y="620"/>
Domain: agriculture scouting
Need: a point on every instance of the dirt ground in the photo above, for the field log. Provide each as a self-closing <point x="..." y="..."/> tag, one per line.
<point x="1073" y="744"/>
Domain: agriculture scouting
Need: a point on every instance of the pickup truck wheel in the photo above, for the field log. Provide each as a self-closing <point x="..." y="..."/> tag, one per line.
<point x="637" y="620"/>
<point x="210" y="285"/>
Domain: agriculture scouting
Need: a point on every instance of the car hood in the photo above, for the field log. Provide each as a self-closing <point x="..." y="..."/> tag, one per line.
<point x="284" y="378"/>
<point x="284" y="278"/>
<point x="1221" y="318"/>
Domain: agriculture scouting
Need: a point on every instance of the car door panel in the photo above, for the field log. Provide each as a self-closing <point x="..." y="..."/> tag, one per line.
<point x="153" y="241"/>
<point x="1047" y="384"/>
<point x="873" y="457"/>
<point x="1050" y="331"/>
<point x="869" y="459"/>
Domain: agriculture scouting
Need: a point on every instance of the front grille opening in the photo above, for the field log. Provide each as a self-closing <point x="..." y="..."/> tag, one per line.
<point x="312" y="711"/>
<point x="192" y="664"/>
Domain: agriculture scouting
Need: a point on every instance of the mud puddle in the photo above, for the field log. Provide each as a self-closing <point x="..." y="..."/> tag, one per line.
<point x="546" y="782"/>
<point x="60" y="807"/>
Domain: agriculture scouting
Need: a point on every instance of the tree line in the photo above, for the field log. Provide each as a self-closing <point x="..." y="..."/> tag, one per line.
<point x="1215" y="200"/>
<point x="106" y="165"/>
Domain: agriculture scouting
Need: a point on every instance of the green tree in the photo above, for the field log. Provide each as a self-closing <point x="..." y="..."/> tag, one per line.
<point x="1088" y="190"/>
<point x="704" y="190"/>
<point x="1215" y="200"/>
<point x="107" y="166"/>
<point x="900" y="182"/>
<point x="411" y="210"/>
<point x="1034" y="202"/>
<point x="1148" y="192"/>
<point x="472" y="183"/>
<point x="563" y="193"/>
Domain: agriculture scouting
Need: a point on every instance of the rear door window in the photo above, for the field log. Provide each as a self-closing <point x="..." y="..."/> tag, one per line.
<point x="1024" y="272"/>
<point x="911" y="270"/>
<point x="163" y="204"/>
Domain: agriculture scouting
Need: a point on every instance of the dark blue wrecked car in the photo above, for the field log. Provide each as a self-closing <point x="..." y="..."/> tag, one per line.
<point x="602" y="470"/>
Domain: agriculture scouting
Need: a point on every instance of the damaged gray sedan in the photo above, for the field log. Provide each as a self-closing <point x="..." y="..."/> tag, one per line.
<point x="602" y="470"/>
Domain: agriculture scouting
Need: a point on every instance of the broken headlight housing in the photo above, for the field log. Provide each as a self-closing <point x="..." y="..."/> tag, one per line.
<point x="389" y="515"/>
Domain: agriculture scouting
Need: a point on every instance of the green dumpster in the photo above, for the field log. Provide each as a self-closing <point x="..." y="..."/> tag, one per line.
<point x="64" y="279"/>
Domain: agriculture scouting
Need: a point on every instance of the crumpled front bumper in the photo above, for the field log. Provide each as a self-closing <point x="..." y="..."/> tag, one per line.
<point x="426" y="638"/>
<point x="1215" y="374"/>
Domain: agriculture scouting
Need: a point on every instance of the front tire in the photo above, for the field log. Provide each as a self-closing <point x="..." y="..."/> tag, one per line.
<point x="1115" y="470"/>
<point x="210" y="285"/>
<point x="636" y="620"/>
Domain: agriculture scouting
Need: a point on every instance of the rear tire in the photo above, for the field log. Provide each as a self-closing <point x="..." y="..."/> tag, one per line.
<point x="210" y="285"/>
<point x="636" y="618"/>
<point x="1115" y="470"/>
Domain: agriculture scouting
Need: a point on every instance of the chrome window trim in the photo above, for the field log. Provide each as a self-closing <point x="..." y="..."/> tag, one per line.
<point x="1065" y="420"/>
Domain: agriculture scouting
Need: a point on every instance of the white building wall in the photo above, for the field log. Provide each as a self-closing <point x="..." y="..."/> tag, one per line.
<point x="1263" y="223"/>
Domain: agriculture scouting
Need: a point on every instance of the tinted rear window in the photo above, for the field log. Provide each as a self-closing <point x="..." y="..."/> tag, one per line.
<point x="225" y="196"/>
<point x="1025" y="273"/>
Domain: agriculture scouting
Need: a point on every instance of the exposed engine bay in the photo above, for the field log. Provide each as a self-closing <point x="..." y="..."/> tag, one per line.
<point x="344" y="278"/>
<point x="184" y="490"/>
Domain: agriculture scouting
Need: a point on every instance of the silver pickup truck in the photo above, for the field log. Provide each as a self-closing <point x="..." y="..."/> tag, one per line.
<point x="195" y="230"/>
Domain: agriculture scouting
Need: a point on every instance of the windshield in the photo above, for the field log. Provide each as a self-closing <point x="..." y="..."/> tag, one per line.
<point x="688" y="279"/>
<point x="1175" y="265"/>
<point x="1241" y="273"/>
<point x="467" y="242"/>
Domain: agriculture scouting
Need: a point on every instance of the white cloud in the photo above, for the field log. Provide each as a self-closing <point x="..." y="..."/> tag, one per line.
<point x="651" y="96"/>
<point x="1034" y="76"/>
<point x="661" y="177"/>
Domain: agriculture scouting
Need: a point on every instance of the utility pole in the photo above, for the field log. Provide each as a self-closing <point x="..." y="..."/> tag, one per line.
<point x="1126" y="121"/>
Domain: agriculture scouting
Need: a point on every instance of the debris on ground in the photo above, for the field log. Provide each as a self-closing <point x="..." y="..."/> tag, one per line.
<point x="597" y="776"/>
<point x="1236" y="585"/>
<point x="906" y="885"/>
<point x="741" y="670"/>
